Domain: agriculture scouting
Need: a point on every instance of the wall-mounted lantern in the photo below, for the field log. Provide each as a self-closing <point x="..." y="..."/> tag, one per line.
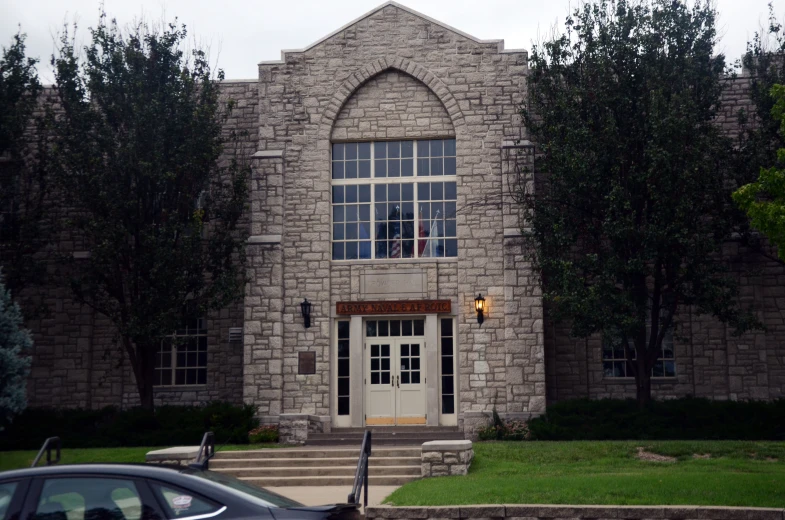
<point x="305" y="308"/>
<point x="479" y="306"/>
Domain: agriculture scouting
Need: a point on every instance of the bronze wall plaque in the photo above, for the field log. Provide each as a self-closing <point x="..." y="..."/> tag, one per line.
<point x="395" y="307"/>
<point x="306" y="363"/>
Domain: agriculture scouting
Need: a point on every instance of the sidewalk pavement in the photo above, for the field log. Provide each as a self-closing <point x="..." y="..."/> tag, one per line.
<point x="320" y="495"/>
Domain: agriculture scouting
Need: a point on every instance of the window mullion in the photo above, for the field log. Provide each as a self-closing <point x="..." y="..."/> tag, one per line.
<point x="372" y="210"/>
<point x="416" y="202"/>
<point x="173" y="353"/>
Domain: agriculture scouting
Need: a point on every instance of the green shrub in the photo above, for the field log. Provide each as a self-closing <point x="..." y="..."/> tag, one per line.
<point x="111" y="427"/>
<point x="501" y="430"/>
<point x="263" y="434"/>
<point x="678" y="419"/>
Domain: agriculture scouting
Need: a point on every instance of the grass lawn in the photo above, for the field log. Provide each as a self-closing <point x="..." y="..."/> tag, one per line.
<point x="738" y="473"/>
<point x="23" y="459"/>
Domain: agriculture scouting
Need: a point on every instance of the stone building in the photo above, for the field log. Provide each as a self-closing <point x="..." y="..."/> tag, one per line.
<point x="380" y="195"/>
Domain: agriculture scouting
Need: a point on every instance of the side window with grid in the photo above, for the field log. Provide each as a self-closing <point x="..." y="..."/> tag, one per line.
<point x="343" y="368"/>
<point x="448" y="376"/>
<point x="615" y="365"/>
<point x="182" y="357"/>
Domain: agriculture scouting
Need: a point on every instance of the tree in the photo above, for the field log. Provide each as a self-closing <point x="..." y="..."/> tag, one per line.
<point x="764" y="200"/>
<point x="15" y="341"/>
<point x="23" y="179"/>
<point x="140" y="157"/>
<point x="627" y="219"/>
<point x="758" y="161"/>
<point x="759" y="135"/>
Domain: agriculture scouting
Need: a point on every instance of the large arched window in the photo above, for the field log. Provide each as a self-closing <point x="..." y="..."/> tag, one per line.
<point x="394" y="199"/>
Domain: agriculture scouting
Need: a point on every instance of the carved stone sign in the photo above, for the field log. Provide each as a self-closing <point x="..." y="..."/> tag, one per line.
<point x="395" y="307"/>
<point x="410" y="283"/>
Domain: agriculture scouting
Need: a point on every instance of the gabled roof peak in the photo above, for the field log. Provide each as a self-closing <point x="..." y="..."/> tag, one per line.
<point x="500" y="43"/>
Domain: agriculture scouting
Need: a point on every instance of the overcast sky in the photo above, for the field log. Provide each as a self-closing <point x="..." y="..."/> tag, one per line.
<point x="240" y="33"/>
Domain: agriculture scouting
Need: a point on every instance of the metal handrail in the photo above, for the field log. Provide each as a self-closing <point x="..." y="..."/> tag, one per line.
<point x="47" y="447"/>
<point x="206" y="451"/>
<point x="361" y="475"/>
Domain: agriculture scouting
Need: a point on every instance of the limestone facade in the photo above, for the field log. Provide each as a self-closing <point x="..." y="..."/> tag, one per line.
<point x="391" y="76"/>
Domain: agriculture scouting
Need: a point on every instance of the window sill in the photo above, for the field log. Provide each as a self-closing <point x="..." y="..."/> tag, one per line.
<point x="178" y="388"/>
<point x="631" y="380"/>
<point x="402" y="261"/>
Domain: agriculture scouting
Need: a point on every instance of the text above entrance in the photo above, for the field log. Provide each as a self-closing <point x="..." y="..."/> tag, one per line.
<point x="395" y="307"/>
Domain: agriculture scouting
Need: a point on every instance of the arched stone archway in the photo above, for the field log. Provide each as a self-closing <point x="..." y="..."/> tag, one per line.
<point x="376" y="67"/>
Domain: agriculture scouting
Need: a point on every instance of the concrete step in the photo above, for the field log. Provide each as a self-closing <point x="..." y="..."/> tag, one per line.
<point x="392" y="480"/>
<point x="312" y="462"/>
<point x="413" y="450"/>
<point x="385" y="435"/>
<point x="393" y="441"/>
<point x="336" y="471"/>
<point x="397" y="429"/>
<point x="358" y="437"/>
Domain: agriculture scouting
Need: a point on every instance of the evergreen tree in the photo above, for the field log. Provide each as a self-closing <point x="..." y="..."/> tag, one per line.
<point x="15" y="344"/>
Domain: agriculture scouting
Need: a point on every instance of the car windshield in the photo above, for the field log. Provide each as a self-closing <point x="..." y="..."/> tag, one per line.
<point x="272" y="499"/>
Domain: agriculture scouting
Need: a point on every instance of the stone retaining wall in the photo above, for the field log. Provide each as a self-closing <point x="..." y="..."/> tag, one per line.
<point x="557" y="512"/>
<point x="294" y="427"/>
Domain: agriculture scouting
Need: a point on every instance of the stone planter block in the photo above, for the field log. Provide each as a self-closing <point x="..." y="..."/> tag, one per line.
<point x="441" y="458"/>
<point x="182" y="455"/>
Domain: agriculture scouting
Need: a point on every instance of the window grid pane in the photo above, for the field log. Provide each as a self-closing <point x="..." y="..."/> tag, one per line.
<point x="394" y="328"/>
<point x="615" y="365"/>
<point x="181" y="359"/>
<point x="351" y="222"/>
<point x="448" y="377"/>
<point x="343" y="368"/>
<point x="398" y="219"/>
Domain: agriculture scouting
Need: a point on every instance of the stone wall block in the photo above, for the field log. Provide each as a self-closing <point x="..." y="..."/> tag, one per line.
<point x="459" y="469"/>
<point x="451" y="457"/>
<point x="484" y="511"/>
<point x="293" y="429"/>
<point x="440" y="470"/>
<point x="432" y="456"/>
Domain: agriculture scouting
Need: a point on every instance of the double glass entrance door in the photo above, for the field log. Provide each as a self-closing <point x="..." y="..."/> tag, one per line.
<point x="395" y="381"/>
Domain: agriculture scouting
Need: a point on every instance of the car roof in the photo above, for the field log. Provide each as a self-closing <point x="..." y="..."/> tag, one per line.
<point x="135" y="470"/>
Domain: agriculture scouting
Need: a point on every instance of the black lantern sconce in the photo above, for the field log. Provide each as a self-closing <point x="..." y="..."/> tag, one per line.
<point x="479" y="306"/>
<point x="305" y="308"/>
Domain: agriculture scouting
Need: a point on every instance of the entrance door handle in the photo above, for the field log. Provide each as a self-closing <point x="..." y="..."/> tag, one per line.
<point x="392" y="381"/>
<point x="398" y="381"/>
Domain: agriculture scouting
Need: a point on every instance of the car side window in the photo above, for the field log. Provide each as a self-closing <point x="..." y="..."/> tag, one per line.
<point x="6" y="494"/>
<point x="180" y="503"/>
<point x="91" y="499"/>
